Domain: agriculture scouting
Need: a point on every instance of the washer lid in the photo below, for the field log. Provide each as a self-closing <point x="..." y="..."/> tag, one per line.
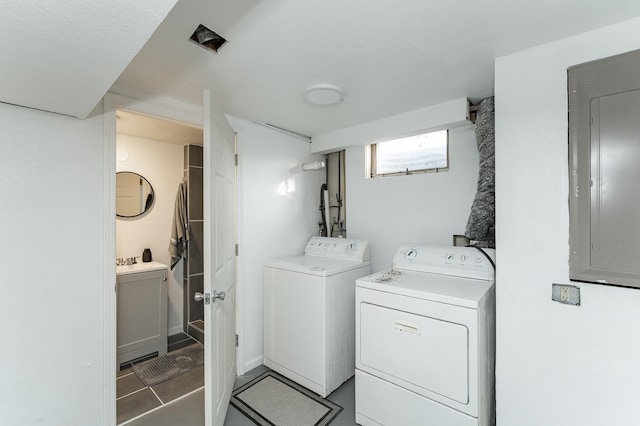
<point x="465" y="292"/>
<point x="319" y="266"/>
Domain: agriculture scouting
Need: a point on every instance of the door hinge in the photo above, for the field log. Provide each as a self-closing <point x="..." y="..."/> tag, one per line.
<point x="236" y="249"/>
<point x="237" y="339"/>
<point x="236" y="159"/>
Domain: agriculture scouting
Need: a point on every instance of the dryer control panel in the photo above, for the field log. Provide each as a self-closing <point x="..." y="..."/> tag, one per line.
<point x="466" y="262"/>
<point x="338" y="248"/>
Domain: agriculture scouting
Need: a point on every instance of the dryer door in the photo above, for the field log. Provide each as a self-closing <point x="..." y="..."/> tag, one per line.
<point x="430" y="353"/>
<point x="424" y="346"/>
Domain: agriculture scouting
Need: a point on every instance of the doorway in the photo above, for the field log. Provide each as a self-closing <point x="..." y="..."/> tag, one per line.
<point x="145" y="138"/>
<point x="155" y="317"/>
<point x="218" y="247"/>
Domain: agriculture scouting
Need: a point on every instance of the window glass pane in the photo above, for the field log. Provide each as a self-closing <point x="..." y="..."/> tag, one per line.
<point x="421" y="152"/>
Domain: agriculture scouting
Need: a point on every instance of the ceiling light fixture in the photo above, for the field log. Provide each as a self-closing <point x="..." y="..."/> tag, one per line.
<point x="323" y="95"/>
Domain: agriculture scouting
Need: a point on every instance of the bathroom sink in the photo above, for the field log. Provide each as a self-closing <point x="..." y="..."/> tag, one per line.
<point x="139" y="267"/>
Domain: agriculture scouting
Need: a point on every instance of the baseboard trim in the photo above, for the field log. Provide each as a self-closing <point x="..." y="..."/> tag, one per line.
<point x="175" y="330"/>
<point x="256" y="362"/>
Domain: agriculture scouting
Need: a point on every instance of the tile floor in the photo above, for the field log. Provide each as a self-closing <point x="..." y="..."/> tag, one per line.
<point x="189" y="410"/>
<point x="134" y="398"/>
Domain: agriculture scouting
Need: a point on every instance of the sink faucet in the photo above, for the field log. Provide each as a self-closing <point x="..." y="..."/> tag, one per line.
<point x="120" y="261"/>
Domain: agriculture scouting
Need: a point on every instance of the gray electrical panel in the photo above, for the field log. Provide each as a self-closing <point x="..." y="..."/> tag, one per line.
<point x="604" y="190"/>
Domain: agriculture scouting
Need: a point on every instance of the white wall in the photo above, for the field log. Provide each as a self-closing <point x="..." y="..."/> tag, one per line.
<point x="51" y="309"/>
<point x="162" y="165"/>
<point x="422" y="208"/>
<point x="556" y="364"/>
<point x="277" y="214"/>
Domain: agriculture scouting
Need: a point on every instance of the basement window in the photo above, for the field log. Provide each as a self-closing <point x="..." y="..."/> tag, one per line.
<point x="424" y="153"/>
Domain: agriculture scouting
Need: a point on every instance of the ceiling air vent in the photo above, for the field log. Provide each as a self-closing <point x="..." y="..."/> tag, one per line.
<point x="207" y="38"/>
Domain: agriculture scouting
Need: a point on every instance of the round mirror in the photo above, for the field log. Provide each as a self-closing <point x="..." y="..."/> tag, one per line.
<point x="134" y="194"/>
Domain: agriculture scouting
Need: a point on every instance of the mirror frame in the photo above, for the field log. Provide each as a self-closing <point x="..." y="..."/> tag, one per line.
<point x="148" y="205"/>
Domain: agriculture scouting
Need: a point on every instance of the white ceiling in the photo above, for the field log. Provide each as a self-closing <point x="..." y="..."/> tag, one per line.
<point x="156" y="129"/>
<point x="62" y="56"/>
<point x="389" y="56"/>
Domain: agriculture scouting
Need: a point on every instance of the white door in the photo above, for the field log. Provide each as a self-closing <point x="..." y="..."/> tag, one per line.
<point x="219" y="261"/>
<point x="127" y="194"/>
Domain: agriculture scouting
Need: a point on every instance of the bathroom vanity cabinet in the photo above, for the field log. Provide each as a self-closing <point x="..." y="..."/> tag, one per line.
<point x="142" y="310"/>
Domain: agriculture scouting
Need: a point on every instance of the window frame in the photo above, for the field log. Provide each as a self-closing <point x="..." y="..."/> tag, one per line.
<point x="372" y="157"/>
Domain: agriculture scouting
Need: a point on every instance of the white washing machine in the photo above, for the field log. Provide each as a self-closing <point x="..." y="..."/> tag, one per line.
<point x="425" y="339"/>
<point x="309" y="312"/>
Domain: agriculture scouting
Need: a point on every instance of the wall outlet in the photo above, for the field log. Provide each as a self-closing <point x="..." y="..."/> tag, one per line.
<point x="564" y="293"/>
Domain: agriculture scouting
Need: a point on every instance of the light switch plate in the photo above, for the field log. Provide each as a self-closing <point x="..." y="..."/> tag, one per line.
<point x="565" y="293"/>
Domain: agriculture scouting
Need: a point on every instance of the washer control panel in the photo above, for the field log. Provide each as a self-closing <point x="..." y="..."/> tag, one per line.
<point x="456" y="261"/>
<point x="338" y="248"/>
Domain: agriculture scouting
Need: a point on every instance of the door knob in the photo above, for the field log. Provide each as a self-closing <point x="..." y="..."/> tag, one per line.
<point x="199" y="297"/>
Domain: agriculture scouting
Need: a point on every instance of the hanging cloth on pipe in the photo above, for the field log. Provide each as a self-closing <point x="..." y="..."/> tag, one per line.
<point x="179" y="227"/>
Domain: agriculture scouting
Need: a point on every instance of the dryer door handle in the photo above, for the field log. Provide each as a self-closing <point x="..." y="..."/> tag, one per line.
<point x="407" y="327"/>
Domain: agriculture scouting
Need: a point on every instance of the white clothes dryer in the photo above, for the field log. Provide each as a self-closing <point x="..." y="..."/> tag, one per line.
<point x="425" y="339"/>
<point x="309" y="312"/>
